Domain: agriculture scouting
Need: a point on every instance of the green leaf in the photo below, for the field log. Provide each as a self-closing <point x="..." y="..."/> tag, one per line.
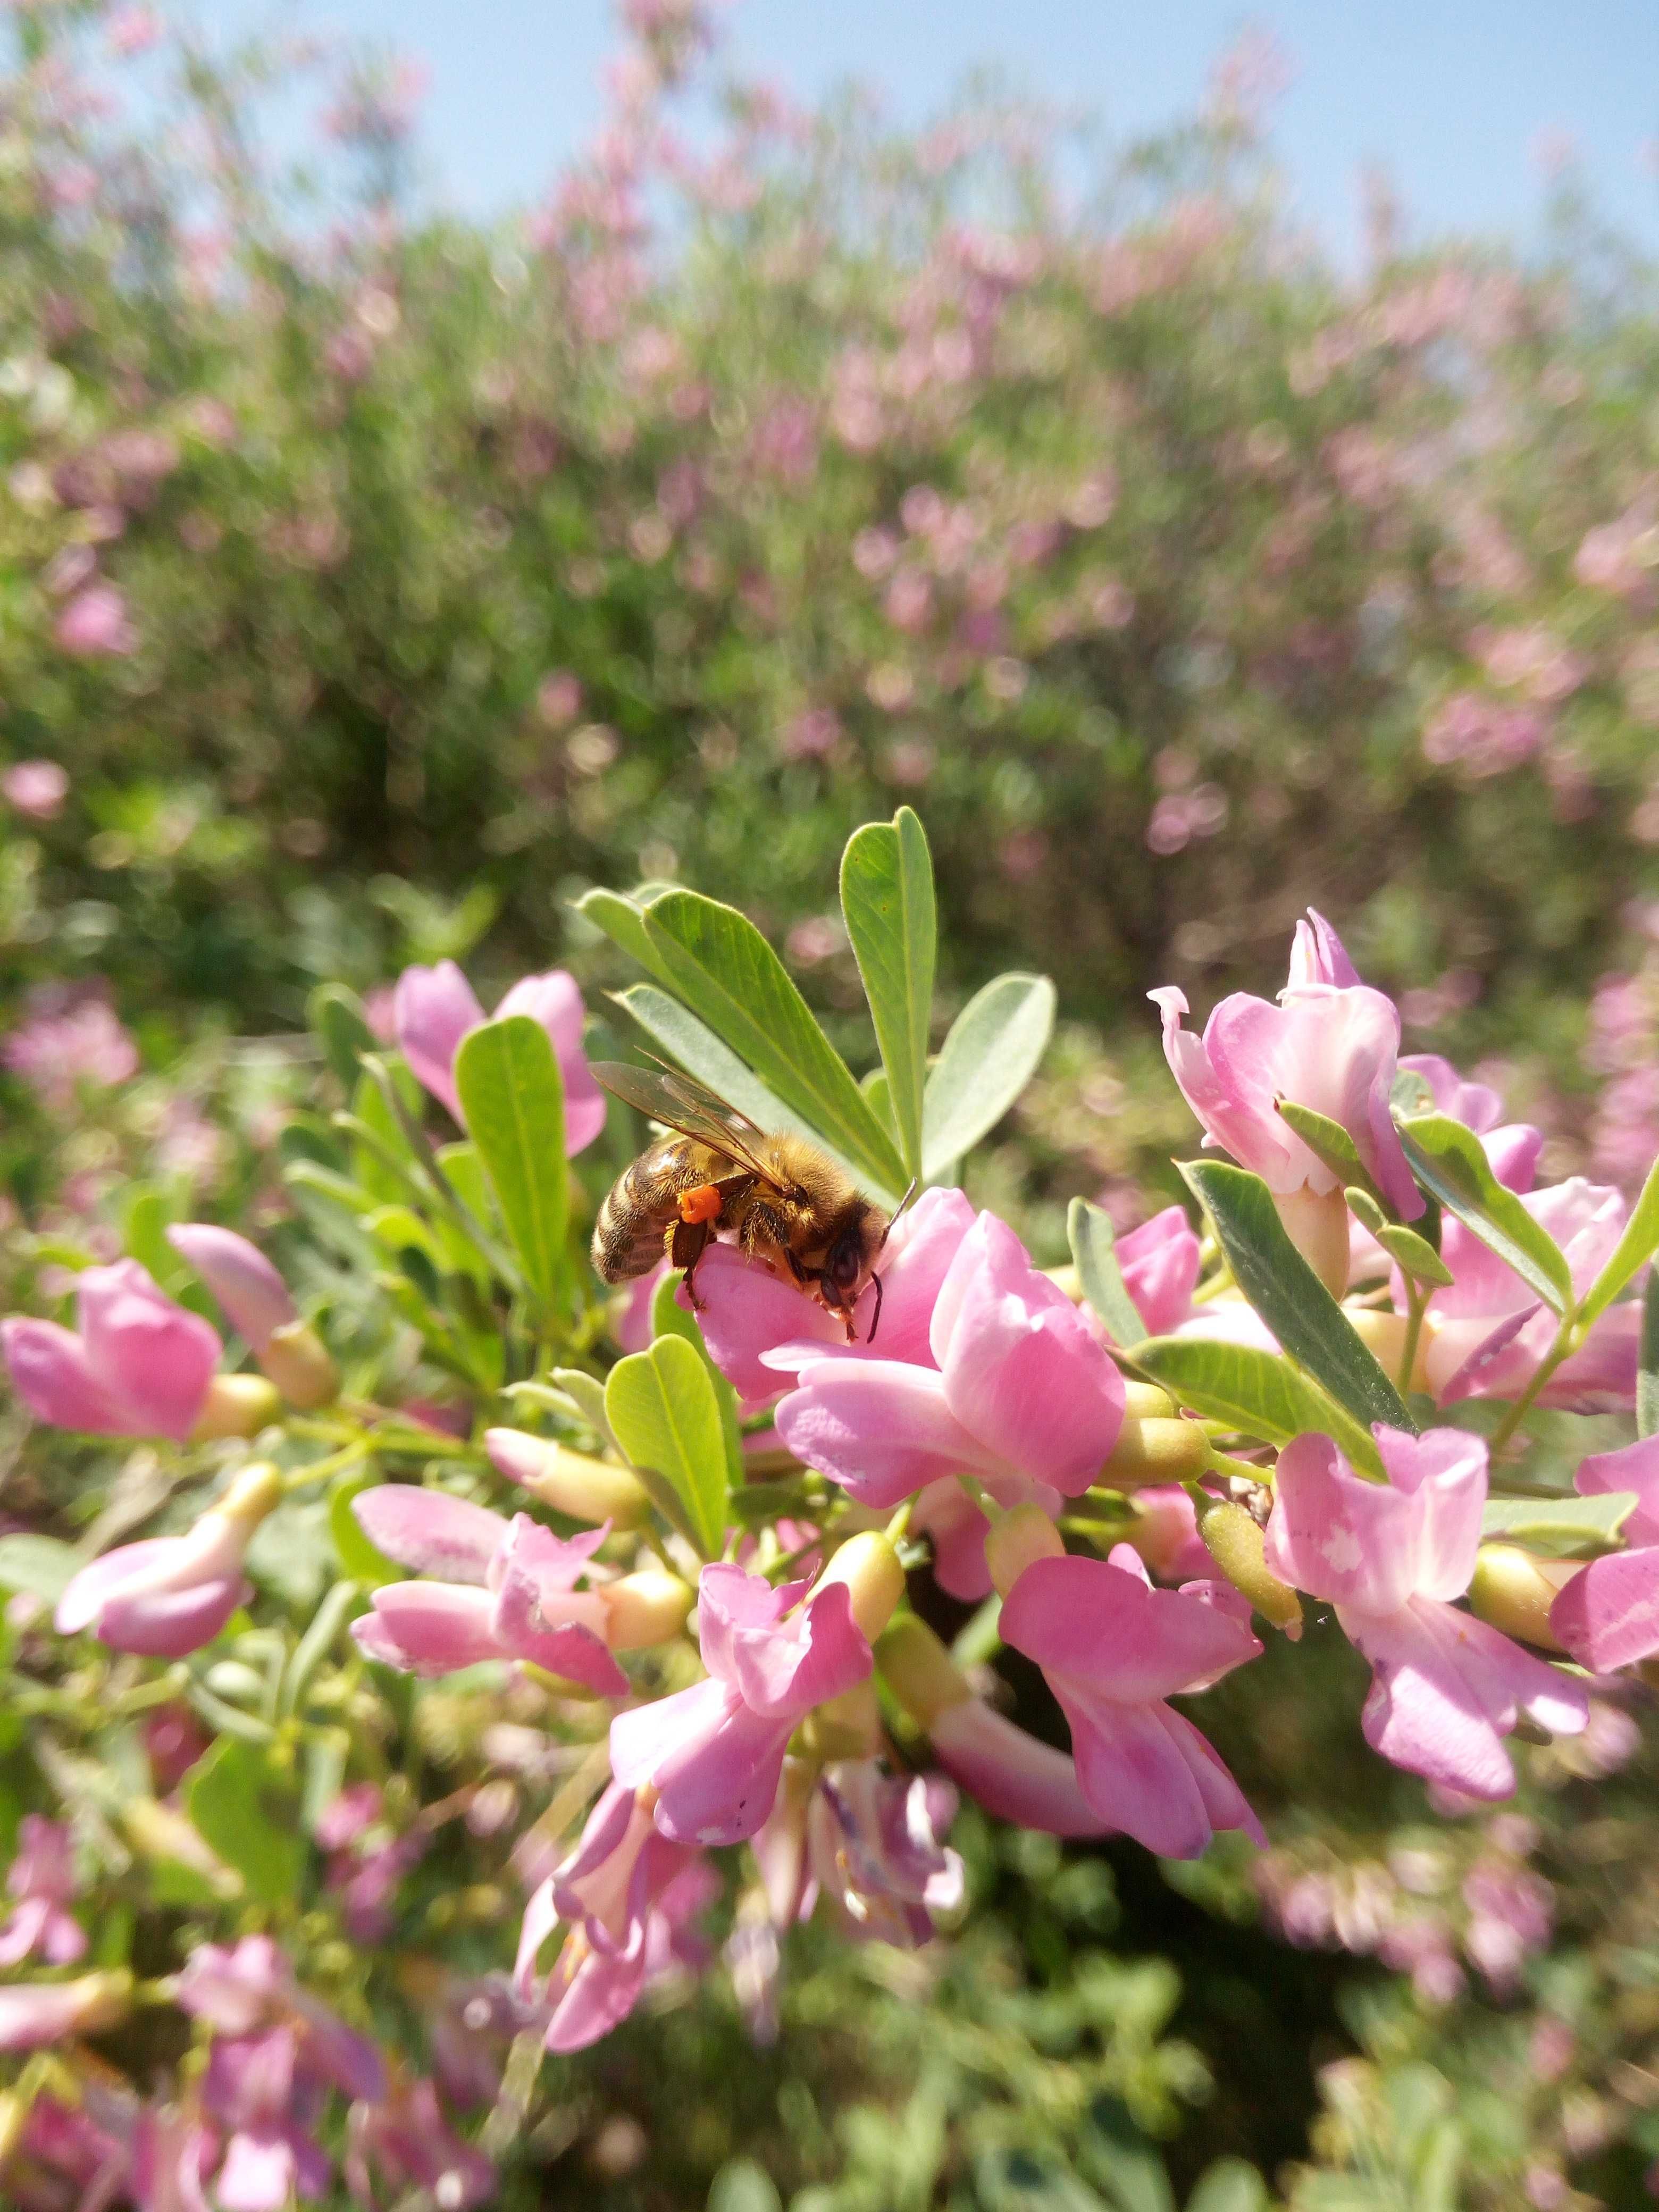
<point x="887" y="901"/>
<point x="363" y="1561"/>
<point x="1118" y="2155"/>
<point x="336" y="1017"/>
<point x="664" y="1414"/>
<point x="742" y="2186"/>
<point x="249" y="1814"/>
<point x="699" y="1052"/>
<point x="1309" y="1325"/>
<point x="729" y="975"/>
<point x="1258" y="1393"/>
<point x="1415" y="1253"/>
<point x="1450" y="1163"/>
<point x="987" y="1061"/>
<point x="670" y="1318"/>
<point x="1091" y="1235"/>
<point x="1647" y="1373"/>
<point x="38" y="1564"/>
<point x="1330" y="1143"/>
<point x="507" y="1079"/>
<point x="622" y="920"/>
<point x="1228" y="2186"/>
<point x="1634" y="1250"/>
<point x="1565" y="1528"/>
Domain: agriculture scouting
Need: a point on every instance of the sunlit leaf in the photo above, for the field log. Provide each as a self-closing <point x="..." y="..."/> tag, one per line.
<point x="1647" y="1372"/>
<point x="887" y="901"/>
<point x="1415" y="1253"/>
<point x="728" y="975"/>
<point x="249" y="1814"/>
<point x="1303" y="1315"/>
<point x="1450" y="1163"/>
<point x="1633" y="1251"/>
<point x="507" y="1079"/>
<point x="663" y="1411"/>
<point x="1090" y="1233"/>
<point x="1565" y="1528"/>
<point x="1258" y="1393"/>
<point x="990" y="1055"/>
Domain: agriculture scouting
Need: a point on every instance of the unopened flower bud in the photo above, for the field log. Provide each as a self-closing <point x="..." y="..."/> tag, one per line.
<point x="236" y="1406"/>
<point x="1384" y="1335"/>
<point x="847" y="1727"/>
<point x="572" y="1483"/>
<point x="645" y="1608"/>
<point x="256" y="1490"/>
<point x="1145" y="1402"/>
<point x="1019" y="1538"/>
<point x="1513" y="1590"/>
<point x="299" y="1362"/>
<point x="1153" y="1451"/>
<point x="919" y="1670"/>
<point x="1316" y="1222"/>
<point x="1235" y="1543"/>
<point x="869" y="1566"/>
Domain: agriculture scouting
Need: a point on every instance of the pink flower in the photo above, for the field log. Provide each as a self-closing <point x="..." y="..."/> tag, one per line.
<point x="510" y="1589"/>
<point x="1512" y="1147"/>
<point x="1160" y="1263"/>
<point x="1016" y="1388"/>
<point x="140" y="1366"/>
<point x="1392" y="1557"/>
<point x="62" y="1047"/>
<point x="869" y="1841"/>
<point x="1487" y="1332"/>
<point x="1330" y="1044"/>
<point x="760" y="1328"/>
<point x="94" y="625"/>
<point x="35" y="787"/>
<point x="624" y="1892"/>
<point x="1112" y="1648"/>
<point x="42" y="1879"/>
<point x="1607" y="1615"/>
<point x="407" y="2141"/>
<point x="1165" y="1534"/>
<point x="1009" y="1773"/>
<point x="166" y="1595"/>
<point x="714" y="1753"/>
<point x="246" y="1987"/>
<point x="253" y="1296"/>
<point x="435" y="1008"/>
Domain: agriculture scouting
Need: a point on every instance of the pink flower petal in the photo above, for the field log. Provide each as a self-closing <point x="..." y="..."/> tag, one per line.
<point x="1090" y="1622"/>
<point x="1338" y="1536"/>
<point x="429" y="1628"/>
<point x="1633" y="1466"/>
<point x="432" y="1533"/>
<point x="1011" y="1774"/>
<point x="50" y="1373"/>
<point x="882" y="1429"/>
<point x="153" y="1357"/>
<point x="1607" y="1615"/>
<point x="432" y="1009"/>
<point x="1160" y="1265"/>
<point x="253" y="1296"/>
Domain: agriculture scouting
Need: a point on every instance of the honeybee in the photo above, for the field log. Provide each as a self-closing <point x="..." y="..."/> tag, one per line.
<point x="786" y="1202"/>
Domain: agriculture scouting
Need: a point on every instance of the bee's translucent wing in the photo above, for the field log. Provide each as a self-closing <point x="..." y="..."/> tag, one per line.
<point x="681" y="1102"/>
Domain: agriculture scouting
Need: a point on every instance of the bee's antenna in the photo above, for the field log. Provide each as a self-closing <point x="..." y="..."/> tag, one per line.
<point x="899" y="1209"/>
<point x="875" y="1318"/>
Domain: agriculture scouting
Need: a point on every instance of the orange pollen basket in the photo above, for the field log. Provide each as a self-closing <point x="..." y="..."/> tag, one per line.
<point x="702" y="1204"/>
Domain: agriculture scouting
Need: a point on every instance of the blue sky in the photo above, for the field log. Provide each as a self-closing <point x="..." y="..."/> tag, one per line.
<point x="1452" y="96"/>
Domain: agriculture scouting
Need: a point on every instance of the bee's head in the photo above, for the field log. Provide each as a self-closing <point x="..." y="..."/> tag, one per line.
<point x="851" y="1259"/>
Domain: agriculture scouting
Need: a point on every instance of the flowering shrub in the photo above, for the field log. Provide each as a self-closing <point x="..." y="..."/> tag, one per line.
<point x="683" y="1609"/>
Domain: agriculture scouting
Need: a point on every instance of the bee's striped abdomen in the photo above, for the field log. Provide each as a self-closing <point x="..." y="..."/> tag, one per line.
<point x="641" y="1207"/>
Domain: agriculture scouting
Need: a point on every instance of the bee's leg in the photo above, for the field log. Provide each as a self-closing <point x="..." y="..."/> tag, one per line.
<point x="763" y="1226"/>
<point x="687" y="1242"/>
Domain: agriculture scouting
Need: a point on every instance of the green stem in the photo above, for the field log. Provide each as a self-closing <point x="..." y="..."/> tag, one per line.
<point x="347" y="1455"/>
<point x="1416" y="1306"/>
<point x="1566" y="1343"/>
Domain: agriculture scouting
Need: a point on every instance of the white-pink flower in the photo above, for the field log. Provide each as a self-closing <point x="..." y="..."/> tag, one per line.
<point x="1393" y="1557"/>
<point x="1330" y="1044"/>
<point x="435" y="1008"/>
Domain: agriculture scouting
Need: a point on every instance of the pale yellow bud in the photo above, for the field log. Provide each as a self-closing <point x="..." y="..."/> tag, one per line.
<point x="572" y="1483"/>
<point x="1017" y="1541"/>
<point x="1317" y="1225"/>
<point x="1514" y="1591"/>
<point x="869" y="1566"/>
<point x="919" y="1670"/>
<point x="236" y="1406"/>
<point x="847" y="1727"/>
<point x="1145" y="1402"/>
<point x="645" y="1608"/>
<point x="298" y="1362"/>
<point x="1235" y="1543"/>
<point x="1154" y="1451"/>
<point x="1384" y="1335"/>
